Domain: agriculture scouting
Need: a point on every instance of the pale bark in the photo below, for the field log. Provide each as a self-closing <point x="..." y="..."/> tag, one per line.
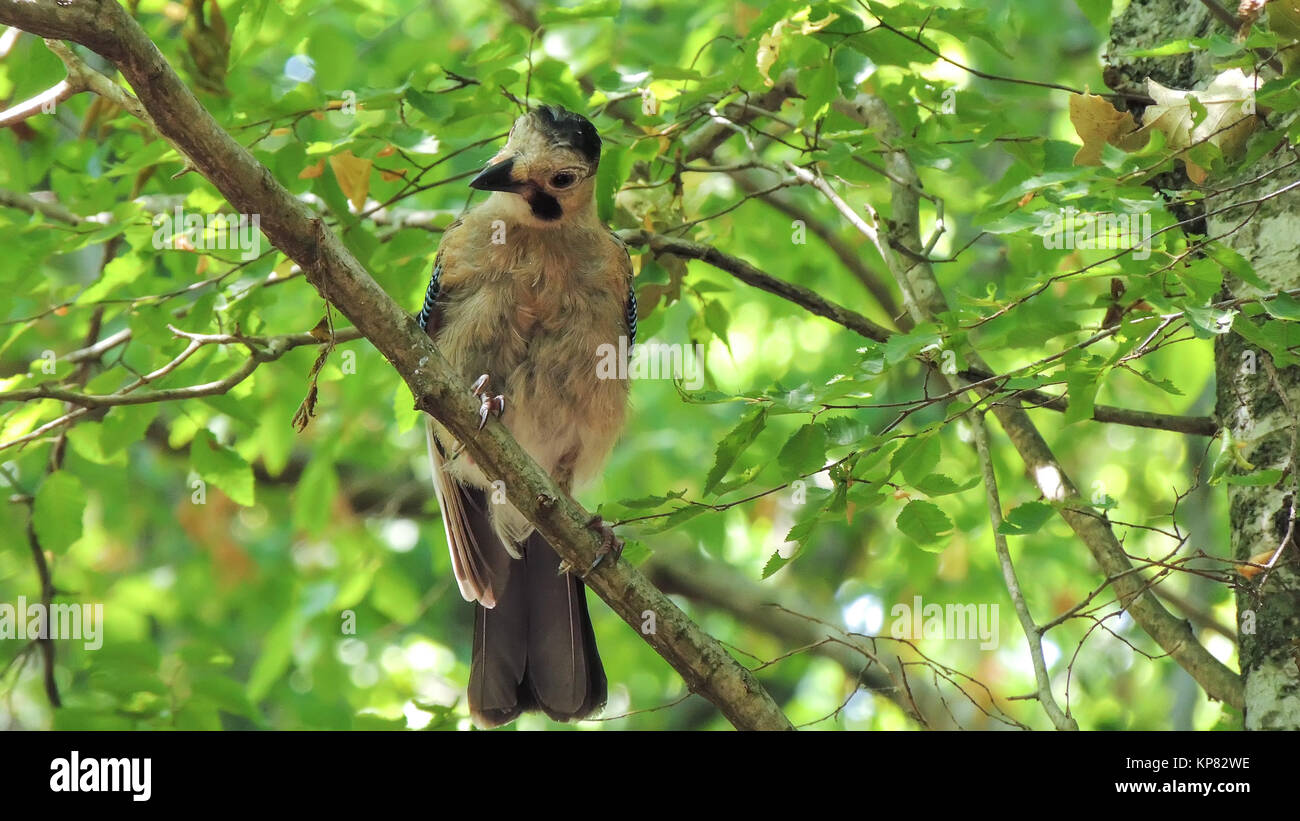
<point x="1257" y="401"/>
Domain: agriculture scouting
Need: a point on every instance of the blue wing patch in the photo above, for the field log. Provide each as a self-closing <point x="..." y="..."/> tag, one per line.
<point x="431" y="295"/>
<point x="631" y="315"/>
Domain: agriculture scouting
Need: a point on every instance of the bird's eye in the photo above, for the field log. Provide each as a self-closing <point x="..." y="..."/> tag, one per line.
<point x="563" y="179"/>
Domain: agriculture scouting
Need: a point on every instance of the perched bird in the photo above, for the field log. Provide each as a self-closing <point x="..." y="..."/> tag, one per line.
<point x="526" y="289"/>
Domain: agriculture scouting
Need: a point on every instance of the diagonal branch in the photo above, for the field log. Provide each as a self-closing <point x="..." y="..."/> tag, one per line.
<point x="1033" y="633"/>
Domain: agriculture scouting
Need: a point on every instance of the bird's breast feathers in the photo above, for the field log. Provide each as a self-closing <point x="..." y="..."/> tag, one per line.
<point x="533" y="309"/>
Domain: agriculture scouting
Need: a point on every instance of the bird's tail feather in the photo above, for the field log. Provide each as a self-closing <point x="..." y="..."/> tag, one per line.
<point x="536" y="649"/>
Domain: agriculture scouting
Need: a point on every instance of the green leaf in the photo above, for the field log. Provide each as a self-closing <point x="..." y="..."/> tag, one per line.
<point x="125" y="425"/>
<point x="734" y="443"/>
<point x="1260" y="478"/>
<point x="432" y="106"/>
<point x="1081" y="386"/>
<point x="904" y="346"/>
<point x="1026" y="518"/>
<point x="716" y="319"/>
<point x="635" y="552"/>
<point x="1283" y="306"/>
<point x="917" y="457"/>
<point x="820" y="88"/>
<point x="937" y="484"/>
<point x="805" y="451"/>
<point x="1207" y="323"/>
<point x="924" y="523"/>
<point x="57" y="511"/>
<point x="774" y="563"/>
<point x="1236" y="264"/>
<point x="221" y="466"/>
<point x="1202" y="278"/>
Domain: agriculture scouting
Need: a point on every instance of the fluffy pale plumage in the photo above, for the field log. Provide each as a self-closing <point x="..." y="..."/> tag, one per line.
<point x="527" y="287"/>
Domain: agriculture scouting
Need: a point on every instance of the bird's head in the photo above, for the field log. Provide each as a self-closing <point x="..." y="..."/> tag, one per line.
<point x="548" y="164"/>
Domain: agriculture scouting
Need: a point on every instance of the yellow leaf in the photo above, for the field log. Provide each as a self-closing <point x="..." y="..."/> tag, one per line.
<point x="1248" y="568"/>
<point x="353" y="175"/>
<point x="810" y="27"/>
<point x="312" y="171"/>
<point x="769" y="48"/>
<point x="1097" y="123"/>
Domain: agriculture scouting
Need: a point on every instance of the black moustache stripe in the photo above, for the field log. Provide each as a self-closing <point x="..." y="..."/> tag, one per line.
<point x="544" y="206"/>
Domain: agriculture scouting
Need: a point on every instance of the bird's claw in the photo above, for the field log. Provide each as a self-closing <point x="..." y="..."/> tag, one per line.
<point x="610" y="544"/>
<point x="491" y="404"/>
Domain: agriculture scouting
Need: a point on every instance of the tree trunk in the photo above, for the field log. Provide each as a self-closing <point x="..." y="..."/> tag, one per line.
<point x="1258" y="399"/>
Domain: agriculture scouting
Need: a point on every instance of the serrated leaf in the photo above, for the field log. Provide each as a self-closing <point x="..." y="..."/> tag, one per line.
<point x="805" y="451"/>
<point x="734" y="443"/>
<point x="938" y="484"/>
<point x="774" y="563"/>
<point x="917" y="458"/>
<point x="924" y="523"/>
<point x="1026" y="518"/>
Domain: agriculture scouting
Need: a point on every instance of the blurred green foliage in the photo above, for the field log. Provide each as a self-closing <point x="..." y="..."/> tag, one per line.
<point x="311" y="587"/>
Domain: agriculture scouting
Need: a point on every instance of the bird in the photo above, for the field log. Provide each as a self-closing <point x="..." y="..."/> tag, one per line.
<point x="529" y="290"/>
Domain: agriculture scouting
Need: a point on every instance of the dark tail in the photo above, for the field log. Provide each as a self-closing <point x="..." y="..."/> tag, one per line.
<point x="535" y="650"/>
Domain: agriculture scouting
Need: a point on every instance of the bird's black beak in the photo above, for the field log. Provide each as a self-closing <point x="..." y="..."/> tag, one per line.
<point x="497" y="177"/>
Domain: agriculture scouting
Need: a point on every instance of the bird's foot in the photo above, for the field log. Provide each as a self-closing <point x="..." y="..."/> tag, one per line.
<point x="610" y="544"/>
<point x="495" y="405"/>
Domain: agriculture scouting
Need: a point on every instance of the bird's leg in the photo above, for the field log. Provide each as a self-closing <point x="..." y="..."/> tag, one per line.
<point x="491" y="404"/>
<point x="610" y="544"/>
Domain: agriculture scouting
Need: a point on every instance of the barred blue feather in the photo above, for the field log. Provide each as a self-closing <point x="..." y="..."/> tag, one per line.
<point x="631" y="315"/>
<point x="431" y="295"/>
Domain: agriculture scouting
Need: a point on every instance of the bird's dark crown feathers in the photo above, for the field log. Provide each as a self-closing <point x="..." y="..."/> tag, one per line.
<point x="568" y="128"/>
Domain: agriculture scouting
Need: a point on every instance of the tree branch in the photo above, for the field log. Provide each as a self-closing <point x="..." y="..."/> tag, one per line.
<point x="1061" y="720"/>
<point x="815" y="303"/>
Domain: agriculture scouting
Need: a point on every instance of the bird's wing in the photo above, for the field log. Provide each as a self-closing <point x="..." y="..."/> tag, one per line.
<point x="625" y="265"/>
<point x="474" y="577"/>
